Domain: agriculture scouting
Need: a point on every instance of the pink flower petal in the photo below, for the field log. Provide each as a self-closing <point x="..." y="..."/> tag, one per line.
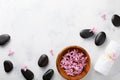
<point x="103" y="16"/>
<point x="113" y="56"/>
<point x="51" y="52"/>
<point x="10" y="52"/>
<point x="73" y="62"/>
<point x="24" y="68"/>
<point x="93" y="30"/>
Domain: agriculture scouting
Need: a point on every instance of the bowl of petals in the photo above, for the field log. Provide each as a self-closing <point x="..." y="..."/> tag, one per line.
<point x="73" y="63"/>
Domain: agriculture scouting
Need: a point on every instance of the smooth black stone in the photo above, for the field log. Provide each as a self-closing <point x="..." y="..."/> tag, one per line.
<point x="100" y="38"/>
<point x="116" y="20"/>
<point x="4" y="38"/>
<point x="8" y="66"/>
<point x="43" y="60"/>
<point x="27" y="74"/>
<point x="48" y="75"/>
<point x="86" y="33"/>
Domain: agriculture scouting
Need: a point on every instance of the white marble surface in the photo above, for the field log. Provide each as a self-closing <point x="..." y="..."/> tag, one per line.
<point x="36" y="26"/>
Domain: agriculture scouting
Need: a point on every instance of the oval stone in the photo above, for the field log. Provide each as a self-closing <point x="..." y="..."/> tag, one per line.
<point x="4" y="38"/>
<point x="86" y="33"/>
<point x="116" y="20"/>
<point x="100" y="38"/>
<point x="28" y="74"/>
<point x="43" y="60"/>
<point x="48" y="75"/>
<point x="8" y="66"/>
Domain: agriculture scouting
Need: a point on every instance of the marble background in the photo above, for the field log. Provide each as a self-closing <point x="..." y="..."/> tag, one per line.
<point x="36" y="26"/>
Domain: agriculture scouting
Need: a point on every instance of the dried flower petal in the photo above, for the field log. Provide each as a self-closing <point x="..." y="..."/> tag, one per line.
<point x="73" y="62"/>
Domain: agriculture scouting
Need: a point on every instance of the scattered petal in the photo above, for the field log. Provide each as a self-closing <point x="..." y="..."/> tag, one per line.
<point x="93" y="30"/>
<point x="24" y="68"/>
<point x="10" y="52"/>
<point x="51" y="52"/>
<point x="103" y="16"/>
<point x="114" y="56"/>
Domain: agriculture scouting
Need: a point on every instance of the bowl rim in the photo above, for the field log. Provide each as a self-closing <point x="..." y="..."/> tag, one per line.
<point x="60" y="70"/>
